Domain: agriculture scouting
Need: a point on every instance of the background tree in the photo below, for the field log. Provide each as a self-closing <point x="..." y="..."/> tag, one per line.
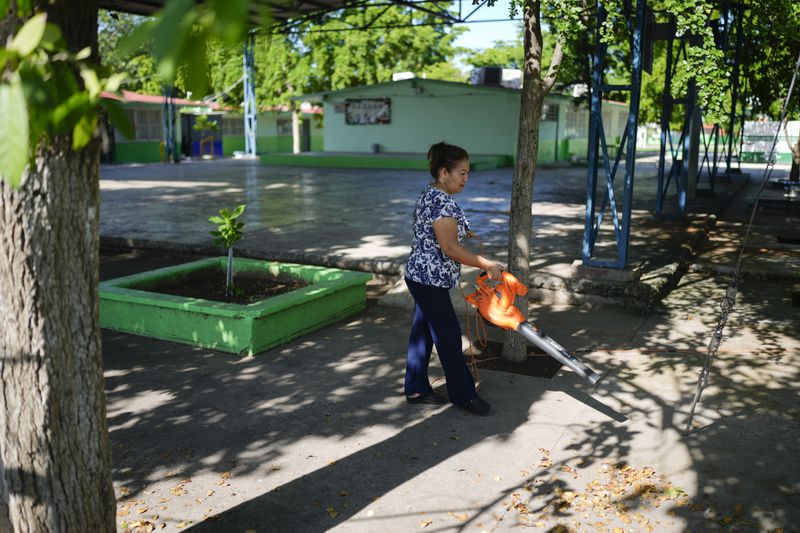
<point x="113" y="28"/>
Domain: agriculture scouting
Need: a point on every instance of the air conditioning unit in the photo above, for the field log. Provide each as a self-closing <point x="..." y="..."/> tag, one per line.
<point x="497" y="77"/>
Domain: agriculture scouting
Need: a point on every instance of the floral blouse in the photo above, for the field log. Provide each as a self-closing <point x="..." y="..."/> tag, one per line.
<point x="427" y="264"/>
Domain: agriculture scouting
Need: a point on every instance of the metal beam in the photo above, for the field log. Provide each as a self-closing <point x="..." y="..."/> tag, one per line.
<point x="168" y="116"/>
<point x="598" y="147"/>
<point x="250" y="124"/>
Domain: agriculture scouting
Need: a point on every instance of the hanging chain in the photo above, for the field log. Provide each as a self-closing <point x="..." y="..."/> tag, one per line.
<point x="729" y="300"/>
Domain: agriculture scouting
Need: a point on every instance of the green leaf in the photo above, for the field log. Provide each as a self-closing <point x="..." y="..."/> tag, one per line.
<point x="84" y="53"/>
<point x="131" y="43"/>
<point x="3" y="8"/>
<point x="115" y="80"/>
<point x="171" y="36"/>
<point x="196" y="77"/>
<point x="230" y="19"/>
<point x="29" y="35"/>
<point x="52" y="37"/>
<point x="92" y="82"/>
<point x="119" y="118"/>
<point x="84" y="130"/>
<point x="238" y="211"/>
<point x="68" y="111"/>
<point x="13" y="132"/>
<point x="216" y="220"/>
<point x="24" y="8"/>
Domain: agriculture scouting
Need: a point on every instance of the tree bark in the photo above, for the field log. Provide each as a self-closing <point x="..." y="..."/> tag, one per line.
<point x="54" y="447"/>
<point x="519" y="229"/>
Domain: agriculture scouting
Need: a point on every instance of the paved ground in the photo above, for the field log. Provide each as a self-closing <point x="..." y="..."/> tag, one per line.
<point x="316" y="436"/>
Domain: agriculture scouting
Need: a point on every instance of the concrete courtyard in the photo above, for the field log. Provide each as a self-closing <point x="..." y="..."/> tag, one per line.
<point x="316" y="435"/>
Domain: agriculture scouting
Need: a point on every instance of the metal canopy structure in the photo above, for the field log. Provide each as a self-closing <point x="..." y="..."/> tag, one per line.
<point x="680" y="163"/>
<point x="287" y="15"/>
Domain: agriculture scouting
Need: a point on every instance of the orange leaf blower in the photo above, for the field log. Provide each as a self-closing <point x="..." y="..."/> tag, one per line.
<point x="496" y="305"/>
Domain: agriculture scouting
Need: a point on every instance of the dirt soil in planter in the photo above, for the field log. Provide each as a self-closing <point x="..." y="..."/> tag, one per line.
<point x="538" y="363"/>
<point x="248" y="288"/>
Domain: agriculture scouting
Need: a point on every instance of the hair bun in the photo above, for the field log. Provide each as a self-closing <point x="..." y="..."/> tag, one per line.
<point x="443" y="155"/>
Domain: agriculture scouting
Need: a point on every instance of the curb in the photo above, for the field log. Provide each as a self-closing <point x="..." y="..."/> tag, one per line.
<point x="384" y="267"/>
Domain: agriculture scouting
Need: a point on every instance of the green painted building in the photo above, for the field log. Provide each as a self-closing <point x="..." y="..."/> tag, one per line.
<point x="407" y="116"/>
<point x="274" y="129"/>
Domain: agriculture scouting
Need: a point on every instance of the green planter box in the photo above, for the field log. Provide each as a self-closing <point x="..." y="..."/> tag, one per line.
<point x="130" y="304"/>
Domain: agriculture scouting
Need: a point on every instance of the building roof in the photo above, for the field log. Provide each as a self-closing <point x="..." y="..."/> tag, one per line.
<point x="130" y="97"/>
<point x="318" y="96"/>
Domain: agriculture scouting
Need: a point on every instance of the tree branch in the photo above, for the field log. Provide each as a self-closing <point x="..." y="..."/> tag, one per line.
<point x="552" y="71"/>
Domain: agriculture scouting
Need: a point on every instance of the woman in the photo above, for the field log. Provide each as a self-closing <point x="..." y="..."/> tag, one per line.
<point x="433" y="268"/>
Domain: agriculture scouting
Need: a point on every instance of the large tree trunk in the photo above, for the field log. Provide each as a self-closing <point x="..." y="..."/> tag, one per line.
<point x="519" y="230"/>
<point x="54" y="448"/>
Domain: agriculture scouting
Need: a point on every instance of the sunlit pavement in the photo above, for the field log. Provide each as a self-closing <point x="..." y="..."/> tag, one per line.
<point x="316" y="435"/>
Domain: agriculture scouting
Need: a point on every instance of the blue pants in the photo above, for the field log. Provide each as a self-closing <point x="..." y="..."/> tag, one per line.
<point x="435" y="322"/>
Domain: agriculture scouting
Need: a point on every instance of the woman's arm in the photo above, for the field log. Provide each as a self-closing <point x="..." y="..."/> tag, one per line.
<point x="446" y="230"/>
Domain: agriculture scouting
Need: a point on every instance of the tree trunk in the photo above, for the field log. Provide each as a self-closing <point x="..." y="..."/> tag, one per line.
<point x="54" y="448"/>
<point x="519" y="230"/>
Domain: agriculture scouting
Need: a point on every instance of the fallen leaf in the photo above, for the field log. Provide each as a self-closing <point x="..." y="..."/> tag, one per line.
<point x="183" y="524"/>
<point x="331" y="512"/>
<point x="344" y="493"/>
<point x="122" y="512"/>
<point x="210" y="493"/>
<point x="425" y="523"/>
<point x="461" y="517"/>
<point x="142" y="510"/>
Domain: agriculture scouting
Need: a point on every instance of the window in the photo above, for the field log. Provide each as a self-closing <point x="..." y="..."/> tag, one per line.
<point x="550" y="112"/>
<point x="577" y="122"/>
<point x="284" y="127"/>
<point x="233" y="125"/>
<point x="147" y="123"/>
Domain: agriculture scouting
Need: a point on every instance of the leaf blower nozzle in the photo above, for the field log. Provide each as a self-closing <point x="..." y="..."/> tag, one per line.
<point x="496" y="305"/>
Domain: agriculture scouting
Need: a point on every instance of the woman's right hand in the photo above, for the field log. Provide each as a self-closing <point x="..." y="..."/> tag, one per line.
<point x="495" y="271"/>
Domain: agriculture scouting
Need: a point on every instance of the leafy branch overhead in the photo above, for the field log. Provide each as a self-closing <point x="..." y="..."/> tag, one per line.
<point x="229" y="229"/>
<point x="40" y="95"/>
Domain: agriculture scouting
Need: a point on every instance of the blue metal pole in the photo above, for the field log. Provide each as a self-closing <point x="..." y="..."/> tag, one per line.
<point x="595" y="116"/>
<point x="168" y="117"/>
<point x="633" y="119"/>
<point x="666" y="113"/>
<point x="250" y="124"/>
<point x="735" y="91"/>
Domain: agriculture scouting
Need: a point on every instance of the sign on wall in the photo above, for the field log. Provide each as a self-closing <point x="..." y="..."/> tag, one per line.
<point x="368" y="111"/>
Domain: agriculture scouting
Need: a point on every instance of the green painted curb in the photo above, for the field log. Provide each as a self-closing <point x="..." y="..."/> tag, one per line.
<point x="128" y="304"/>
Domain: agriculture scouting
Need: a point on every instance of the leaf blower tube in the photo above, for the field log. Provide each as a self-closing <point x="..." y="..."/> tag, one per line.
<point x="495" y="304"/>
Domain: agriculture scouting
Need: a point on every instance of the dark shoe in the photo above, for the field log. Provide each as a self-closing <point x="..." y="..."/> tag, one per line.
<point x="430" y="398"/>
<point x="476" y="406"/>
